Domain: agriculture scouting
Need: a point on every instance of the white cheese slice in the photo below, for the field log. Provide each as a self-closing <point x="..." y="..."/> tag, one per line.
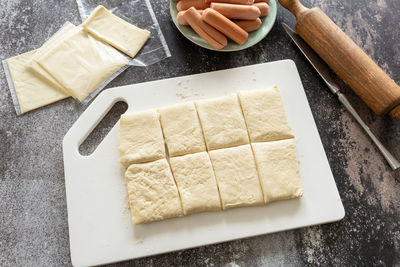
<point x="152" y="192"/>
<point x="115" y="31"/>
<point x="196" y="182"/>
<point x="140" y="138"/>
<point x="182" y="129"/>
<point x="81" y="63"/>
<point x="265" y="115"/>
<point x="32" y="91"/>
<point x="279" y="169"/>
<point x="237" y="177"/>
<point x="222" y="121"/>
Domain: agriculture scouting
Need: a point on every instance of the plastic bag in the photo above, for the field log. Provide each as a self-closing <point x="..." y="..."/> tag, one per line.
<point x="139" y="13"/>
<point x="70" y="63"/>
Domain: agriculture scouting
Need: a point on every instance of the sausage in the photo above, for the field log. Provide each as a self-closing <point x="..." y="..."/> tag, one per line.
<point x="208" y="33"/>
<point x="186" y="4"/>
<point x="249" y="25"/>
<point x="263" y="7"/>
<point x="237" y="11"/>
<point x="181" y="20"/>
<point x="239" y="2"/>
<point x="224" y="25"/>
<point x="259" y="1"/>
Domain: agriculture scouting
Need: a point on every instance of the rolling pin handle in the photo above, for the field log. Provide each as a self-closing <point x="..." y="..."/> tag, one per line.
<point x="295" y="7"/>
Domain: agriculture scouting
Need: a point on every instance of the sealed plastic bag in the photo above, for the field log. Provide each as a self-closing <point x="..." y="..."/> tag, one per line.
<point x="139" y="13"/>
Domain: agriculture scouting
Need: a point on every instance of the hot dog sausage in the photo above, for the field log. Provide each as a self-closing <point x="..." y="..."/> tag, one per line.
<point x="181" y="20"/>
<point x="208" y="33"/>
<point x="264" y="8"/>
<point x="249" y="25"/>
<point x="237" y="11"/>
<point x="239" y="2"/>
<point x="224" y="25"/>
<point x="186" y="4"/>
<point x="259" y="1"/>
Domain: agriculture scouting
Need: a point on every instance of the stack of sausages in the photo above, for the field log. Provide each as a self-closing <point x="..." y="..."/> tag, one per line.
<point x="214" y="20"/>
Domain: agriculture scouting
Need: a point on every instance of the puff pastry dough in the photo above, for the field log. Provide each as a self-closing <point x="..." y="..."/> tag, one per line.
<point x="264" y="114"/>
<point x="32" y="92"/>
<point x="237" y="177"/>
<point x="140" y="138"/>
<point x="196" y="183"/>
<point x="279" y="169"/>
<point x="81" y="63"/>
<point x="115" y="31"/>
<point x="63" y="33"/>
<point x="152" y="192"/>
<point x="182" y="129"/>
<point x="222" y="122"/>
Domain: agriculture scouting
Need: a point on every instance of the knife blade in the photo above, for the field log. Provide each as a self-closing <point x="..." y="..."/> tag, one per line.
<point x="323" y="70"/>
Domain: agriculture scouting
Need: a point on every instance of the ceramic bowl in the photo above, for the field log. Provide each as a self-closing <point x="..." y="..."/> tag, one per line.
<point x="254" y="37"/>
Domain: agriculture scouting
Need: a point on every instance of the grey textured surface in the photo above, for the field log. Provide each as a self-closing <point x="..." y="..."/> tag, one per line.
<point x="33" y="216"/>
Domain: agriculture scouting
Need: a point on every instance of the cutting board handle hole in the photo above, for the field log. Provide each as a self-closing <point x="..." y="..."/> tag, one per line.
<point x="91" y="142"/>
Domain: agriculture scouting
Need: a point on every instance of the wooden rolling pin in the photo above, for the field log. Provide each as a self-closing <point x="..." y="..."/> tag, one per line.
<point x="347" y="59"/>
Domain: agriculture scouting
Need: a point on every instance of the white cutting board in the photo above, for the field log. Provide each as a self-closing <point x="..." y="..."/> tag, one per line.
<point x="99" y="220"/>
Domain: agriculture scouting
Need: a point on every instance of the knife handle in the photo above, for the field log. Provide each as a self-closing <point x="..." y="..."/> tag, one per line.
<point x="345" y="58"/>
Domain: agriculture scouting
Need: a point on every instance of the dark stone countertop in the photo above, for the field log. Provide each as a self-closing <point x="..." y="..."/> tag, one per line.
<point x="33" y="212"/>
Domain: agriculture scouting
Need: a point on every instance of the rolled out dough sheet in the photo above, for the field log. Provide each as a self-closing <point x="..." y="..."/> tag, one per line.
<point x="222" y="121"/>
<point x="196" y="182"/>
<point x="32" y="91"/>
<point x="265" y="115"/>
<point x="115" y="31"/>
<point x="279" y="169"/>
<point x="65" y="31"/>
<point x="140" y="138"/>
<point x="237" y="177"/>
<point x="182" y="129"/>
<point x="152" y="192"/>
<point x="80" y="63"/>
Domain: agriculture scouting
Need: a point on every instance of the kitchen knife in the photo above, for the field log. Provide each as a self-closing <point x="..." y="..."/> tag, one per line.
<point x="324" y="71"/>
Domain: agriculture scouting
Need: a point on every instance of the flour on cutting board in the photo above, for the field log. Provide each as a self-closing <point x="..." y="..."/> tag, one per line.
<point x="185" y="91"/>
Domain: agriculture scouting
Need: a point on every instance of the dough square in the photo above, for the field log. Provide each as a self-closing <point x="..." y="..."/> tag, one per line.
<point x="152" y="192"/>
<point x="222" y="121"/>
<point x="115" y="31"/>
<point x="196" y="182"/>
<point x="140" y="138"/>
<point x="182" y="129"/>
<point x="265" y="115"/>
<point x="32" y="91"/>
<point x="237" y="177"/>
<point x="80" y="63"/>
<point x="279" y="169"/>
